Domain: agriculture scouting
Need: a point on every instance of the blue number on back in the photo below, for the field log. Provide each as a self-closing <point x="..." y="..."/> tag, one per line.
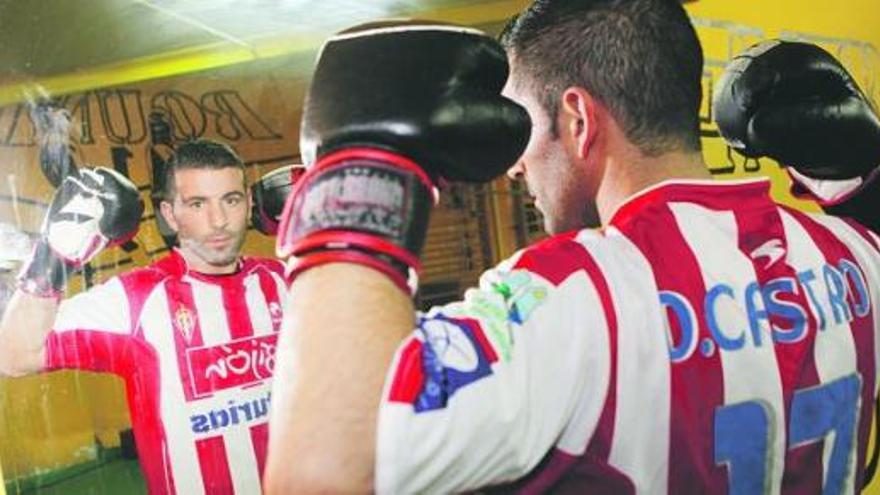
<point x="816" y="412"/>
<point x="743" y="434"/>
<point x="742" y="440"/>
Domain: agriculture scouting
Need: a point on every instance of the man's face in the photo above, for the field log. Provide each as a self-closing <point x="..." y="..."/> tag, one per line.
<point x="548" y="165"/>
<point x="209" y="212"/>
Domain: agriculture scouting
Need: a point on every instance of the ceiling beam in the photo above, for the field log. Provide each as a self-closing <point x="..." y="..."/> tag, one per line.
<point x="223" y="54"/>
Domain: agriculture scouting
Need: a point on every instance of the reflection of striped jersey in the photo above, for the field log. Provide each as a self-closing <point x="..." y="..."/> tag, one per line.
<point x="707" y="341"/>
<point x="197" y="354"/>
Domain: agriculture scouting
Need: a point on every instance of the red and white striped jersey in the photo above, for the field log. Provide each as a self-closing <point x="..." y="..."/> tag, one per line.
<point x="197" y="353"/>
<point x="708" y="340"/>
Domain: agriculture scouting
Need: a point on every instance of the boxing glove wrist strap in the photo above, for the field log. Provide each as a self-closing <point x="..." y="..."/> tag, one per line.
<point x="359" y="205"/>
<point x="403" y="276"/>
<point x="45" y="274"/>
<point x="829" y="192"/>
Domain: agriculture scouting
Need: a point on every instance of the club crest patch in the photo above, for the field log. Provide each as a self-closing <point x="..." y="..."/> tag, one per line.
<point x="185" y="322"/>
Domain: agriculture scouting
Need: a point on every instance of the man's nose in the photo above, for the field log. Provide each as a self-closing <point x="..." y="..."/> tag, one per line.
<point x="218" y="217"/>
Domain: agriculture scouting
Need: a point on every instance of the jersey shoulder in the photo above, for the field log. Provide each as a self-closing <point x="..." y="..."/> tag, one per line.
<point x="254" y="263"/>
<point x="558" y="256"/>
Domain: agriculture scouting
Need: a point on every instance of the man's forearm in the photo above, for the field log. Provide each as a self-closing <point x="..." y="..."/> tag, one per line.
<point x="343" y="325"/>
<point x="23" y="329"/>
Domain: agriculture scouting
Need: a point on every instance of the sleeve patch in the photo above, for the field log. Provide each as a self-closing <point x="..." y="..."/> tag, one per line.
<point x="446" y="355"/>
<point x="522" y="294"/>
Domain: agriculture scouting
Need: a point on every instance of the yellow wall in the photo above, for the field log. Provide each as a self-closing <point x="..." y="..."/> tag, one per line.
<point x="49" y="421"/>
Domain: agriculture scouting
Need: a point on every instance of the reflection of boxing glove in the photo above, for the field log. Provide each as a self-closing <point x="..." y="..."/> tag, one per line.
<point x="52" y="129"/>
<point x="269" y="194"/>
<point x="392" y="108"/>
<point x="797" y="104"/>
<point x="91" y="210"/>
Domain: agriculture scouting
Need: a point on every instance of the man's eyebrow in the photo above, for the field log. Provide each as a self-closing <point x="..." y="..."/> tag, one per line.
<point x="189" y="199"/>
<point x="193" y="198"/>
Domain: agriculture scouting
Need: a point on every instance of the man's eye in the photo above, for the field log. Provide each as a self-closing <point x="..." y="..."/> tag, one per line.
<point x="233" y="201"/>
<point x="196" y="205"/>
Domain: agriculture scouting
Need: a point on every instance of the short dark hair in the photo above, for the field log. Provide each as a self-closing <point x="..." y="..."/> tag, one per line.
<point x="199" y="153"/>
<point x="640" y="58"/>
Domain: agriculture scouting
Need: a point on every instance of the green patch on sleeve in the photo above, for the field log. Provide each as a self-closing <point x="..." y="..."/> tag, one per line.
<point x="510" y="302"/>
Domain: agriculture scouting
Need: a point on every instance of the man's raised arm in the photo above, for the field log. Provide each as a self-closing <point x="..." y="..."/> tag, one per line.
<point x="91" y="210"/>
<point x="392" y="111"/>
<point x="23" y="329"/>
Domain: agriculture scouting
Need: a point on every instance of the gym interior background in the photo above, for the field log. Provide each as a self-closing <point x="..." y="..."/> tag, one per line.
<point x="140" y="76"/>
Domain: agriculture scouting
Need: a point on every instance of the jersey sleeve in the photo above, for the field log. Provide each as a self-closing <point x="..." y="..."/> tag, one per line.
<point x="92" y="330"/>
<point x="485" y="387"/>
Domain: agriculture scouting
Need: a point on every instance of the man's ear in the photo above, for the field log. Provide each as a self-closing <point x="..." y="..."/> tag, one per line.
<point x="168" y="214"/>
<point x="578" y="118"/>
<point x="249" y="205"/>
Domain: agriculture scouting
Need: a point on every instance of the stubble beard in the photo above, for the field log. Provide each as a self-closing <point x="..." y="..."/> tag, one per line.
<point x="214" y="257"/>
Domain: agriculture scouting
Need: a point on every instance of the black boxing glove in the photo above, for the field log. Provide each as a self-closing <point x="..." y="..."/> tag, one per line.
<point x="92" y="210"/>
<point x="795" y="103"/>
<point x="392" y="110"/>
<point x="269" y="194"/>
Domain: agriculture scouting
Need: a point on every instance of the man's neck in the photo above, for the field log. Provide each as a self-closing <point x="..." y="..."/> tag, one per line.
<point x="630" y="172"/>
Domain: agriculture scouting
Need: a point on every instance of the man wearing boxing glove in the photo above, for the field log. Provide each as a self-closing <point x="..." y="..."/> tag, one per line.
<point x="192" y="335"/>
<point x="703" y="340"/>
<point x="92" y="209"/>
